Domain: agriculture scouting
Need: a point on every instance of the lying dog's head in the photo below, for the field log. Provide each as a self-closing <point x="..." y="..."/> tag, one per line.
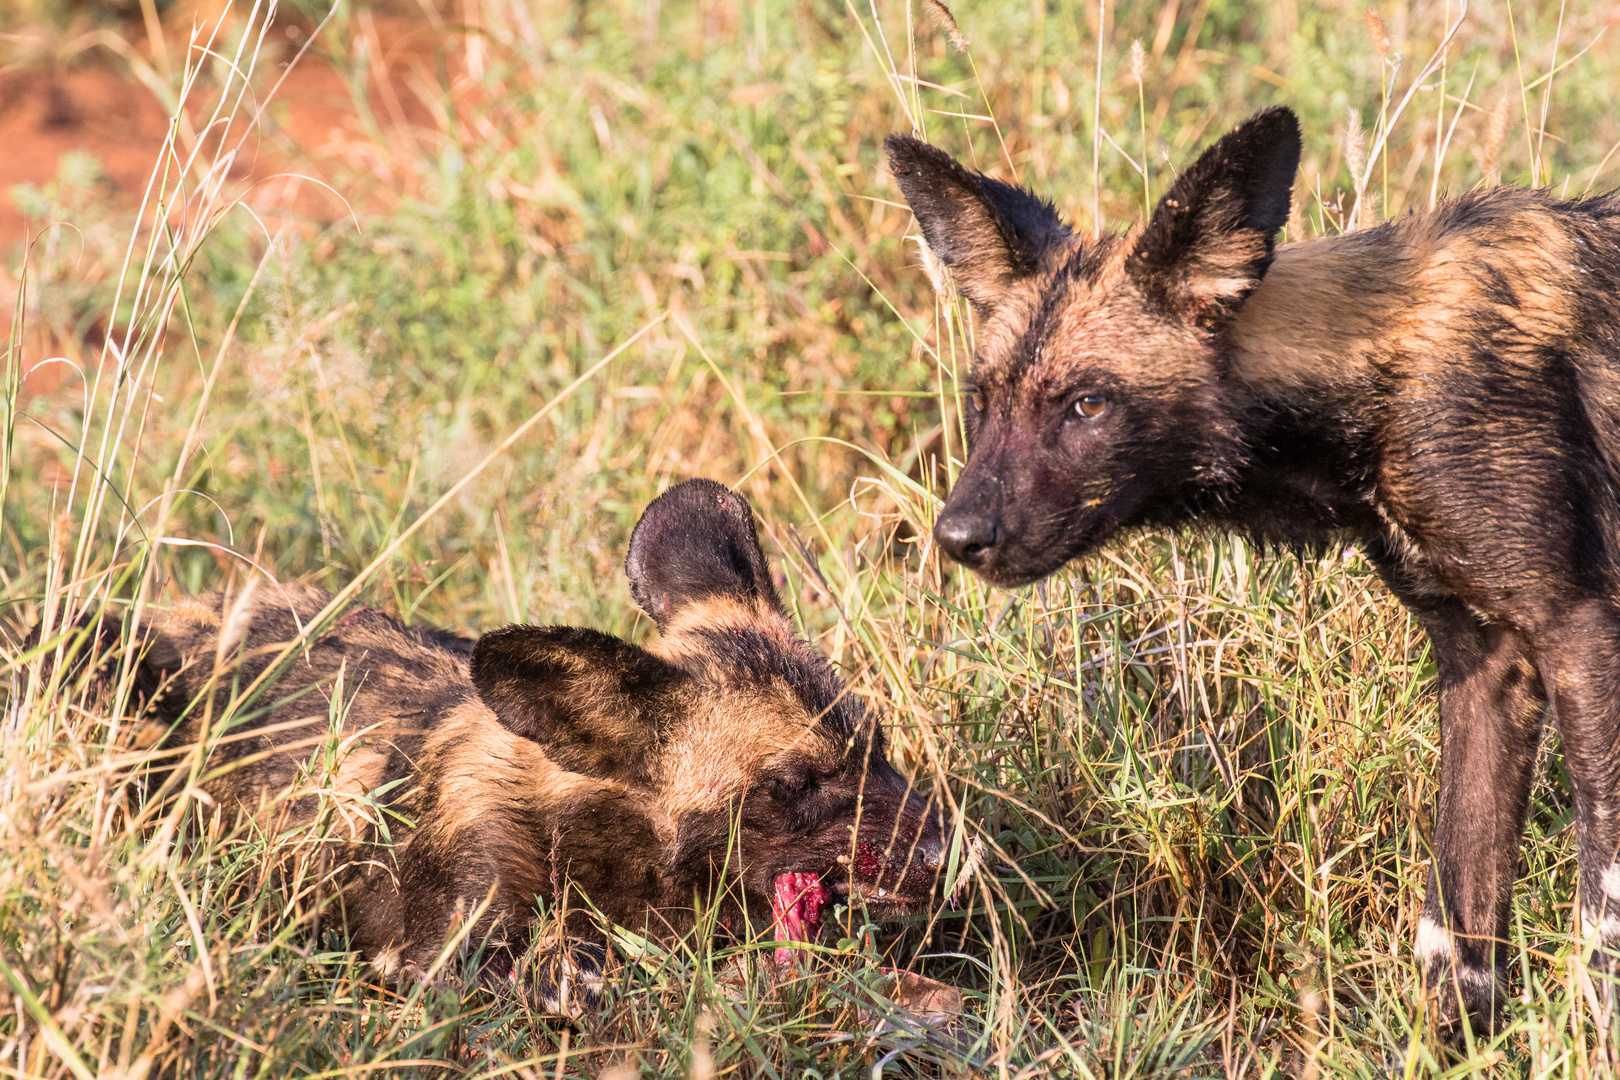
<point x="767" y="770"/>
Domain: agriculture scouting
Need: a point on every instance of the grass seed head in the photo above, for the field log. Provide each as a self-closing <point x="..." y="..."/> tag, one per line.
<point x="947" y="22"/>
<point x="1379" y="31"/>
<point x="1495" y="134"/>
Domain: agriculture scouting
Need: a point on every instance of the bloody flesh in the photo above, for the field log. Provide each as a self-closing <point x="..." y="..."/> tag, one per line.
<point x="796" y="910"/>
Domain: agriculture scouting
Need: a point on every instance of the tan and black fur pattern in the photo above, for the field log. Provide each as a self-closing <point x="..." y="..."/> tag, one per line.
<point x="1443" y="389"/>
<point x="552" y="760"/>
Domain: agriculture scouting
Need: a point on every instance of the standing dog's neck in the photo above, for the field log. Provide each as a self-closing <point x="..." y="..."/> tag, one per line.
<point x="1310" y="331"/>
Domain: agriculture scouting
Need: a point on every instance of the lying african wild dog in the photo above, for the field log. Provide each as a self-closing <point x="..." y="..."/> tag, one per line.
<point x="1443" y="390"/>
<point x="726" y="759"/>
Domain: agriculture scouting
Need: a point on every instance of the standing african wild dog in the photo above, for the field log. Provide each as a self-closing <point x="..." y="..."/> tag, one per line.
<point x="727" y="756"/>
<point x="1443" y="390"/>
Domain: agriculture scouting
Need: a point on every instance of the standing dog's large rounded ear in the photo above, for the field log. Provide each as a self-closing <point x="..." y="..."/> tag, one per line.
<point x="990" y="234"/>
<point x="594" y="703"/>
<point x="697" y="542"/>
<point x="1211" y="238"/>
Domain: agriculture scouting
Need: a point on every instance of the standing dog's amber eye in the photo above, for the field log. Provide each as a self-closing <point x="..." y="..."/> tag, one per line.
<point x="1091" y="406"/>
<point x="976" y="401"/>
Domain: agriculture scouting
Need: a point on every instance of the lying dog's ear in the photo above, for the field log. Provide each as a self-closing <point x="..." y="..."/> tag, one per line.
<point x="990" y="234"/>
<point x="592" y="701"/>
<point x="697" y="542"/>
<point x="1211" y="238"/>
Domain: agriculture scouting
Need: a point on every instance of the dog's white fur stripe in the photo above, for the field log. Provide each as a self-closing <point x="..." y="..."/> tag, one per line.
<point x="1433" y="941"/>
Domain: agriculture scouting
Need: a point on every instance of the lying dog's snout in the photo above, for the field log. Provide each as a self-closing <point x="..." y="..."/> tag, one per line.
<point x="928" y="847"/>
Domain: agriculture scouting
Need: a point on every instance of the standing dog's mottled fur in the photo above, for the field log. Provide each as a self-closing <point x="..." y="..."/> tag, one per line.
<point x="726" y="758"/>
<point x="1443" y="389"/>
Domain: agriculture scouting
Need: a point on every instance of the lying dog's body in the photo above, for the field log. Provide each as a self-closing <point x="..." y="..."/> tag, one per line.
<point x="1443" y="389"/>
<point x="727" y="761"/>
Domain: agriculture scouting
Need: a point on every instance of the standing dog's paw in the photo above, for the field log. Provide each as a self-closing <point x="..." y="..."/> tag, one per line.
<point x="1465" y="1001"/>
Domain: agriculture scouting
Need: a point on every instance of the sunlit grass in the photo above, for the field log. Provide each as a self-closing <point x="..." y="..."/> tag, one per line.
<point x="1206" y="774"/>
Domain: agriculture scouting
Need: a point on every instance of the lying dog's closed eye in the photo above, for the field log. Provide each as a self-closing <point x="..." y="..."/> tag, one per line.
<point x="727" y="760"/>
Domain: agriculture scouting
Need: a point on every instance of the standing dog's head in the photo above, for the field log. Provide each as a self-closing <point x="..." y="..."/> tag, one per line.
<point x="1097" y="399"/>
<point x="730" y="729"/>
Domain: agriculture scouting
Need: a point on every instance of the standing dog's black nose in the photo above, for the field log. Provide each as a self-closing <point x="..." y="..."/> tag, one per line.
<point x="967" y="537"/>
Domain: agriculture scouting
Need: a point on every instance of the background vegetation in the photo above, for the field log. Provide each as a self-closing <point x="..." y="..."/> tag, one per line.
<point x="1206" y="774"/>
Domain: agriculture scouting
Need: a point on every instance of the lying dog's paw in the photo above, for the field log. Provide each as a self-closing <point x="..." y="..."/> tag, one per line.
<point x="564" y="980"/>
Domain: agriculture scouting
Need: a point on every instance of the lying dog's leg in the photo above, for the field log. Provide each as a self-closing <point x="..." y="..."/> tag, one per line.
<point x="450" y="882"/>
<point x="565" y="980"/>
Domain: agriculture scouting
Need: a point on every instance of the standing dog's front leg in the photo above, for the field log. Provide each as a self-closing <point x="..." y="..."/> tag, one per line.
<point x="1579" y="656"/>
<point x="1491" y="708"/>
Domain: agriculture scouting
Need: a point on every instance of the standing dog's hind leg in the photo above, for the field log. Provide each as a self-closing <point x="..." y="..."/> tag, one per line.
<point x="1579" y="656"/>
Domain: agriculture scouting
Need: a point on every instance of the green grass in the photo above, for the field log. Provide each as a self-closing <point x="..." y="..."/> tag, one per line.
<point x="1206" y="773"/>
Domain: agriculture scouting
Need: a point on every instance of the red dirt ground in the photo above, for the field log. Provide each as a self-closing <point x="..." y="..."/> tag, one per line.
<point x="313" y="128"/>
<point x="97" y="106"/>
